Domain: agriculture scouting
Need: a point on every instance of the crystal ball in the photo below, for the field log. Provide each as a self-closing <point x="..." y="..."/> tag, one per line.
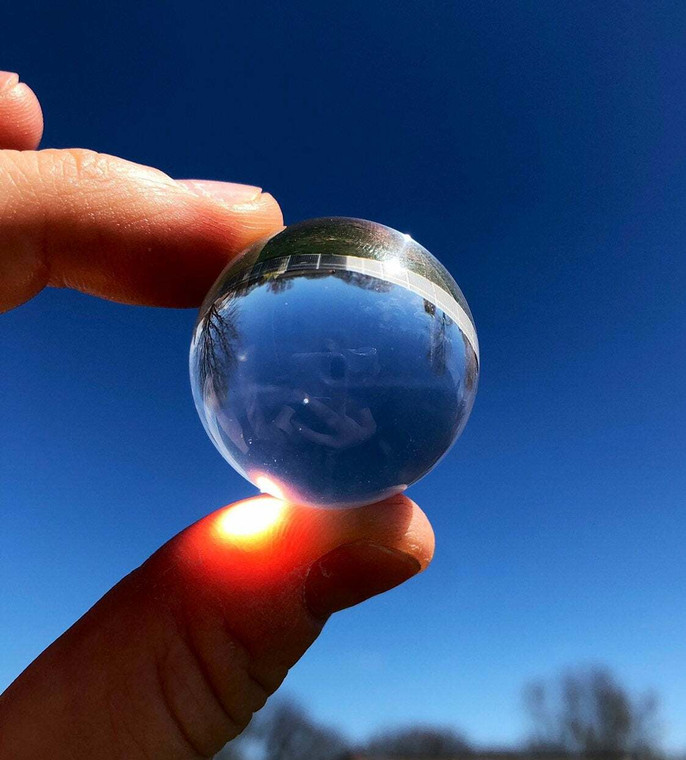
<point x="334" y="363"/>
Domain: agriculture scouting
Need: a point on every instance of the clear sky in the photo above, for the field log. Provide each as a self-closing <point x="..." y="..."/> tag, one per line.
<point x="539" y="150"/>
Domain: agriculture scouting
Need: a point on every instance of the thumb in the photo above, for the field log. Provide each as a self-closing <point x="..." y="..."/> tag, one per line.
<point x="175" y="659"/>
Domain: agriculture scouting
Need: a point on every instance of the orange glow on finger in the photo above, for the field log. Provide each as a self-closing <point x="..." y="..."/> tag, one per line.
<point x="251" y="521"/>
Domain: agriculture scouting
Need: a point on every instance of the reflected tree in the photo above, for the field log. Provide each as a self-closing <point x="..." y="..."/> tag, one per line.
<point x="472" y="366"/>
<point x="278" y="285"/>
<point x="439" y="345"/>
<point x="217" y="353"/>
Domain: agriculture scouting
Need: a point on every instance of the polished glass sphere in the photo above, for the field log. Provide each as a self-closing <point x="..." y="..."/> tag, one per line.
<point x="334" y="363"/>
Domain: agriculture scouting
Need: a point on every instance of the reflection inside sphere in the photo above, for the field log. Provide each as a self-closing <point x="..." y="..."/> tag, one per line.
<point x="329" y="386"/>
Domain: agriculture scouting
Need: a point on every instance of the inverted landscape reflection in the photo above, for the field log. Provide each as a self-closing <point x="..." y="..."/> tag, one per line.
<point x="333" y="389"/>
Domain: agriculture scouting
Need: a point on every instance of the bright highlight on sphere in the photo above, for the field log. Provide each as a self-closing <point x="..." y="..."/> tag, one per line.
<point x="335" y="363"/>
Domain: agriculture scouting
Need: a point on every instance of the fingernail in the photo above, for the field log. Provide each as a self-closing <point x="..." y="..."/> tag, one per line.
<point x="352" y="573"/>
<point x="8" y="79"/>
<point x="229" y="193"/>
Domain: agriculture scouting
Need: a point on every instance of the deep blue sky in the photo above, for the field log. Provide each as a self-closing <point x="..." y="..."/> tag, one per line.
<point x="538" y="149"/>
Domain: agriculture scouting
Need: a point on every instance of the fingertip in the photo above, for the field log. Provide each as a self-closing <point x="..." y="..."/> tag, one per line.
<point x="21" y="117"/>
<point x="214" y="233"/>
<point x="353" y="573"/>
<point x="217" y="233"/>
<point x="256" y="218"/>
<point x="265" y="530"/>
<point x="419" y="539"/>
<point x="286" y="553"/>
<point x="304" y="533"/>
<point x="8" y="79"/>
<point x="397" y="523"/>
<point x="375" y="548"/>
<point x="253" y="213"/>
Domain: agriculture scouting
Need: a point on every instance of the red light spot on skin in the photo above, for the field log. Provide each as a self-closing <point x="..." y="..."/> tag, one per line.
<point x="251" y="522"/>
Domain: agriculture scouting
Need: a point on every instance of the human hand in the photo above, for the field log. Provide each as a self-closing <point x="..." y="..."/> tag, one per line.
<point x="173" y="661"/>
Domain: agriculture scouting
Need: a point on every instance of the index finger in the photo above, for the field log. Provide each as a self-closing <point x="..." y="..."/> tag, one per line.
<point x="119" y="230"/>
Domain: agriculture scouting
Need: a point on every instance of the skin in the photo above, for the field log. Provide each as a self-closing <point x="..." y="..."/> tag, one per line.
<point x="173" y="661"/>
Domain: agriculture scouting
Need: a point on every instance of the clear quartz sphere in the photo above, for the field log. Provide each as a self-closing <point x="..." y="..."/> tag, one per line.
<point x="334" y="363"/>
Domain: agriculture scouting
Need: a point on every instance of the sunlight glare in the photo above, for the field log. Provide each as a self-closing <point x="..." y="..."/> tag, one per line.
<point x="251" y="519"/>
<point x="393" y="266"/>
<point x="267" y="485"/>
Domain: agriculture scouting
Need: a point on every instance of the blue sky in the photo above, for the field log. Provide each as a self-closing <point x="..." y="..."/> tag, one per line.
<point x="538" y="149"/>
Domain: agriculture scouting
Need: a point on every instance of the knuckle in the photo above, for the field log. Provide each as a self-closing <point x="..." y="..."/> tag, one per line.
<point x="74" y="165"/>
<point x="200" y="727"/>
<point x="27" y="268"/>
<point x="210" y="693"/>
<point x="83" y="179"/>
<point x="18" y="167"/>
<point x="52" y="179"/>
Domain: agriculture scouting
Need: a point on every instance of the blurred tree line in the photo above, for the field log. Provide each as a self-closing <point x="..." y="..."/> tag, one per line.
<point x="585" y="714"/>
<point x="589" y="714"/>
